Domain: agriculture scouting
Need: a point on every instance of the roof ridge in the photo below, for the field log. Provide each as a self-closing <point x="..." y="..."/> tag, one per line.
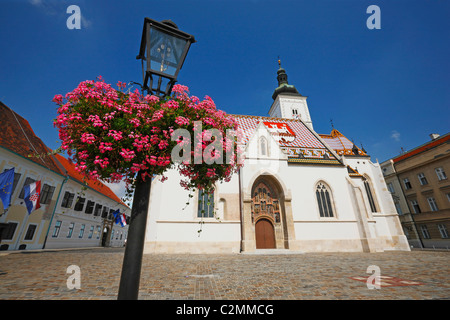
<point x="96" y="185"/>
<point x="416" y="150"/>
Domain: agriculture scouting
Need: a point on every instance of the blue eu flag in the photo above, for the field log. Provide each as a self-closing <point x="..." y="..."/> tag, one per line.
<point x="116" y="216"/>
<point x="6" y="186"/>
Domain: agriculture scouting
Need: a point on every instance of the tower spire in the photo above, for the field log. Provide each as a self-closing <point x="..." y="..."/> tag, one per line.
<point x="283" y="85"/>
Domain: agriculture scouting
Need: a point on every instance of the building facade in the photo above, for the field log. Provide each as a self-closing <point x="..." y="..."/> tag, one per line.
<point x="297" y="191"/>
<point x="419" y="183"/>
<point x="57" y="223"/>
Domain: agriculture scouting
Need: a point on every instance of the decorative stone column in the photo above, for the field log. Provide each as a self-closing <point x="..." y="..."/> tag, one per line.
<point x="248" y="237"/>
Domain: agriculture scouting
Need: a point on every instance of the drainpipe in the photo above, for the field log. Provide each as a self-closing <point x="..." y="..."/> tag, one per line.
<point x="240" y="209"/>
<point x="54" y="210"/>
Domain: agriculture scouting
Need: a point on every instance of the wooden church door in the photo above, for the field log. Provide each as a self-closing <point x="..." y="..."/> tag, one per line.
<point x="265" y="234"/>
<point x="265" y="213"/>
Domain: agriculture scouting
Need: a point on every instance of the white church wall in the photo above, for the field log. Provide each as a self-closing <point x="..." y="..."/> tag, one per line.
<point x="173" y="225"/>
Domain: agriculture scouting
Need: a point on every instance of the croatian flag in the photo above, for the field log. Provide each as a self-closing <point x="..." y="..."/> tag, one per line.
<point x="120" y="218"/>
<point x="122" y="221"/>
<point x="32" y="195"/>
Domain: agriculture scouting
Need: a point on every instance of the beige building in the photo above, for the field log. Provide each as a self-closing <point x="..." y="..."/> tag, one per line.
<point x="72" y="214"/>
<point x="418" y="182"/>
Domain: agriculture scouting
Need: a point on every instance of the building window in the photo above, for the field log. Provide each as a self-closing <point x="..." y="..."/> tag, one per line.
<point x="57" y="228"/>
<point x="422" y="179"/>
<point x="415" y="206"/>
<point x="370" y="196"/>
<point x="398" y="207"/>
<point x="391" y="187"/>
<point x="432" y="203"/>
<point x="9" y="231"/>
<point x="440" y="173"/>
<point x="82" y="231"/>
<point x="67" y="200"/>
<point x="112" y="234"/>
<point x="105" y="212"/>
<point x="425" y="232"/>
<point x="324" y="200"/>
<point x="110" y="214"/>
<point x="406" y="232"/>
<point x="448" y="197"/>
<point x="71" y="226"/>
<point x="98" y="232"/>
<point x="47" y="194"/>
<point x="30" y="232"/>
<point x="407" y="184"/>
<point x="443" y="230"/>
<point x="89" y="207"/>
<point x="79" y="204"/>
<point x="98" y="209"/>
<point x="91" y="232"/>
<point x="205" y="205"/>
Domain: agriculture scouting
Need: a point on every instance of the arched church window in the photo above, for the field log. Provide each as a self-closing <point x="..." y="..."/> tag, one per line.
<point x="205" y="205"/>
<point x="263" y="146"/>
<point x="369" y="193"/>
<point x="323" y="195"/>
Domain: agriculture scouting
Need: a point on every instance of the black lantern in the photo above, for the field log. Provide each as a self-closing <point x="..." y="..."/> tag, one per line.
<point x="163" y="50"/>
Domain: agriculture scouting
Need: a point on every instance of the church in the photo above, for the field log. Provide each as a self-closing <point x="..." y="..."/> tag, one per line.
<point x="298" y="191"/>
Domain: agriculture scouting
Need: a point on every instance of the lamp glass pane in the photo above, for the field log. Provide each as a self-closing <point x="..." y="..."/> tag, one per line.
<point x="165" y="52"/>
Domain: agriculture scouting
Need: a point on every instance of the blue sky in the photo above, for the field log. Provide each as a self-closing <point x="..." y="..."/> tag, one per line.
<point x="386" y="89"/>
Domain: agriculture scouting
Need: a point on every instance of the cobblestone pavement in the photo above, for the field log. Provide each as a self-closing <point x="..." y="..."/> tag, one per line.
<point x="43" y="275"/>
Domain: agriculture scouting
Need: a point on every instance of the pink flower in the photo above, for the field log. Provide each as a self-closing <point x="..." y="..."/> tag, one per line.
<point x="178" y="88"/>
<point x="136" y="122"/>
<point x="210" y="173"/>
<point x="58" y="99"/>
<point x="157" y="115"/>
<point x="127" y="154"/>
<point x="163" y="144"/>
<point x="171" y="104"/>
<point x="88" y="138"/>
<point x="182" y="121"/>
<point x="117" y="135"/>
<point x="105" y="146"/>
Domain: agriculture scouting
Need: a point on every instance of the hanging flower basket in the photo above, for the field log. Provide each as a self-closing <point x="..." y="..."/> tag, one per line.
<point x="114" y="135"/>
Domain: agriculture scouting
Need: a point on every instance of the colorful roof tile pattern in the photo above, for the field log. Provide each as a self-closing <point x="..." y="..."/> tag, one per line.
<point x="293" y="136"/>
<point x="341" y="144"/>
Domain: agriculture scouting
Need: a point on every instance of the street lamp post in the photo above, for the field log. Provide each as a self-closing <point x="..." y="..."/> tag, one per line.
<point x="162" y="52"/>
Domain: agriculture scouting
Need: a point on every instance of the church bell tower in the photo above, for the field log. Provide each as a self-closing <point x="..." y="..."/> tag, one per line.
<point x="288" y="102"/>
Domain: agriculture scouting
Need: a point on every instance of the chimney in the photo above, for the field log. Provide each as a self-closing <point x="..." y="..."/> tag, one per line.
<point x="434" y="136"/>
